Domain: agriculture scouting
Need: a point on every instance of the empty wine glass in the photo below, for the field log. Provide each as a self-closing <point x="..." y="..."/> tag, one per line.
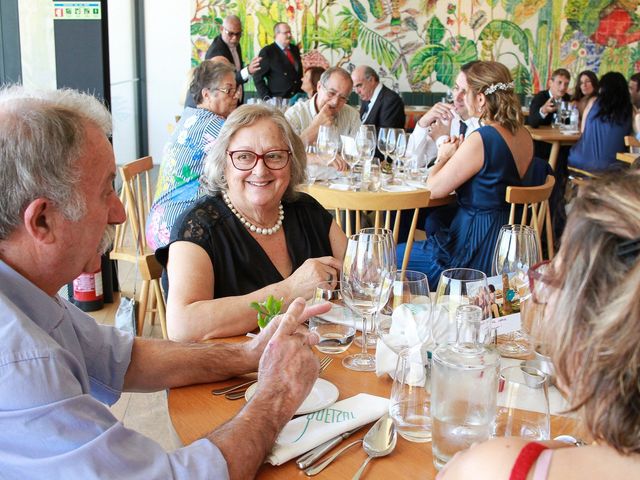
<point x="327" y="143"/>
<point x="405" y="320"/>
<point x="523" y="404"/>
<point x="516" y="251"/>
<point x="365" y="143"/>
<point x="382" y="142"/>
<point x="459" y="286"/>
<point x="365" y="276"/>
<point x="336" y="328"/>
<point x="402" y="144"/>
<point x="352" y="159"/>
<point x="312" y="169"/>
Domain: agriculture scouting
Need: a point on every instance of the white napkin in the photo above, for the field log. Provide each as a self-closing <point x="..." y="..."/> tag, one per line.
<point x="336" y="315"/>
<point x="339" y="186"/>
<point x="308" y="431"/>
<point x="405" y="320"/>
<point x="349" y="145"/>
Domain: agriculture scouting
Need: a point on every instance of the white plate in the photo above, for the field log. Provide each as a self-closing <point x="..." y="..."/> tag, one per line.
<point x="322" y="395"/>
<point x="569" y="132"/>
<point x="416" y="184"/>
<point x="397" y="188"/>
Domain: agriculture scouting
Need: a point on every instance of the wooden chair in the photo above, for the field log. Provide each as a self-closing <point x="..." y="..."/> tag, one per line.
<point x="382" y="204"/>
<point x="535" y="199"/>
<point x="631" y="141"/>
<point x="130" y="244"/>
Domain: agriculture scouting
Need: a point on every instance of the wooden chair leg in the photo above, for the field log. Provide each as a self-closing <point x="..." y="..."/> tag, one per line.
<point x="161" y="309"/>
<point x="142" y="305"/>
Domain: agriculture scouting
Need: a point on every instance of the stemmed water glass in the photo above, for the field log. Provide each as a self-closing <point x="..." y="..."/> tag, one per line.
<point x="327" y="143"/>
<point x="382" y="142"/>
<point x="401" y="154"/>
<point x="365" y="277"/>
<point x="459" y="286"/>
<point x="352" y="159"/>
<point x="516" y="250"/>
<point x="366" y="146"/>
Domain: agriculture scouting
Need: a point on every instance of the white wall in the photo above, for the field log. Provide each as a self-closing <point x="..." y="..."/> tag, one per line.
<point x="37" y="46"/>
<point x="168" y="49"/>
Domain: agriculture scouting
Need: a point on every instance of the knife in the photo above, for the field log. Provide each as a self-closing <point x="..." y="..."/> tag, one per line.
<point x="312" y="455"/>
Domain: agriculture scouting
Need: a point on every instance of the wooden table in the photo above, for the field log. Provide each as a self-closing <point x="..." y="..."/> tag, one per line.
<point x="627" y="157"/>
<point x="194" y="412"/>
<point x="553" y="136"/>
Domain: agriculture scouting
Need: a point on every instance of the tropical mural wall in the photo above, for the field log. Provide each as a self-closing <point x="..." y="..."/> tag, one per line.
<point x="418" y="46"/>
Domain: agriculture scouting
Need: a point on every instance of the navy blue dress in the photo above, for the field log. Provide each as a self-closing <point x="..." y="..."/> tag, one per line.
<point x="470" y="240"/>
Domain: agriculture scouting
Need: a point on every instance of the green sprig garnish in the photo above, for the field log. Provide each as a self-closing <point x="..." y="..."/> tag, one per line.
<point x="267" y="310"/>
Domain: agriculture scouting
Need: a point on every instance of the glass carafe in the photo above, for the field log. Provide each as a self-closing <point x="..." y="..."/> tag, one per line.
<point x="464" y="384"/>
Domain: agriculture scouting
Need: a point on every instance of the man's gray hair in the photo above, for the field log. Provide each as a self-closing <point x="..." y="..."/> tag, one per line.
<point x="213" y="179"/>
<point x="42" y="135"/>
<point x="328" y="73"/>
<point x="370" y="73"/>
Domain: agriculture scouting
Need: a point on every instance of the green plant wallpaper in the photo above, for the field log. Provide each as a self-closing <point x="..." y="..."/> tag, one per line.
<point x="419" y="45"/>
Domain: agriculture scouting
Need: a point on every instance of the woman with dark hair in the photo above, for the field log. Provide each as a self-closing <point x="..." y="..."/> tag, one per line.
<point x="216" y="95"/>
<point x="606" y="121"/>
<point x="497" y="155"/>
<point x="586" y="87"/>
<point x="309" y="86"/>
<point x="587" y="298"/>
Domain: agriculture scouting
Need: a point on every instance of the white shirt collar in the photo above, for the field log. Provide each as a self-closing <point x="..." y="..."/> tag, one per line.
<point x="374" y="97"/>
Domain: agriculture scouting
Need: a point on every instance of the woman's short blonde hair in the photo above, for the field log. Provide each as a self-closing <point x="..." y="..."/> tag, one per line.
<point x="503" y="105"/>
<point x="213" y="179"/>
<point x="592" y="326"/>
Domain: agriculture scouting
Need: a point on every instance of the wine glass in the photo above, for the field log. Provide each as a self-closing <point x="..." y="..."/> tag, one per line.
<point x="364" y="278"/>
<point x="405" y="320"/>
<point x="382" y="142"/>
<point x="352" y="159"/>
<point x="523" y="404"/>
<point x="327" y="143"/>
<point x="336" y="328"/>
<point x="366" y="142"/>
<point x="516" y="250"/>
<point x="459" y="286"/>
<point x="312" y="169"/>
<point x="402" y="142"/>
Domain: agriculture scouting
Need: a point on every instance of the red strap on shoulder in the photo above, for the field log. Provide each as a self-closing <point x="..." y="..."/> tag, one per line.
<point x="527" y="457"/>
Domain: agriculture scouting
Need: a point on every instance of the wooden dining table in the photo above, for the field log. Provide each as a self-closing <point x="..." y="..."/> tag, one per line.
<point x="555" y="138"/>
<point x="195" y="412"/>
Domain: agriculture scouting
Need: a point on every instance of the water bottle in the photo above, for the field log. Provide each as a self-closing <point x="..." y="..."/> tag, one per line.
<point x="464" y="385"/>
<point x="574" y="119"/>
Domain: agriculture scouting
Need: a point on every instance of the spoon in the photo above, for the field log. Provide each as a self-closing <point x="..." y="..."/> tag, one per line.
<point x="379" y="441"/>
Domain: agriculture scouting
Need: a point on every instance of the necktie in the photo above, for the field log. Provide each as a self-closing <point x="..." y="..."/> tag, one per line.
<point x="290" y="56"/>
<point x="365" y="110"/>
<point x="463" y="128"/>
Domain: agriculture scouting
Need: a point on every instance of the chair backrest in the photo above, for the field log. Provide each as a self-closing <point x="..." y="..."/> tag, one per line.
<point x="535" y="199"/>
<point x="382" y="204"/>
<point x="631" y="141"/>
<point x="136" y="197"/>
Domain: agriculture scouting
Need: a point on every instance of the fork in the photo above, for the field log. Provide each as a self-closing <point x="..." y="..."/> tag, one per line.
<point x="239" y="391"/>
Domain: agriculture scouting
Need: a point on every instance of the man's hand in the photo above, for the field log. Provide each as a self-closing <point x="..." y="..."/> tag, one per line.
<point x="254" y="65"/>
<point x="549" y="106"/>
<point x="440" y="111"/>
<point x="439" y="129"/>
<point x="326" y="115"/>
<point x="288" y="367"/>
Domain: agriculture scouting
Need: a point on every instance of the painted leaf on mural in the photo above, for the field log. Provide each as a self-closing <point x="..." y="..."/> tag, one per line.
<point x="503" y="28"/>
<point x="444" y="59"/>
<point x="584" y="15"/>
<point x="377" y="9"/>
<point x="423" y="62"/>
<point x="510" y="6"/>
<point x="435" y="31"/>
<point x="526" y="9"/>
<point x="359" y="10"/>
<point x="521" y="78"/>
<point x="615" y="60"/>
<point x="492" y="3"/>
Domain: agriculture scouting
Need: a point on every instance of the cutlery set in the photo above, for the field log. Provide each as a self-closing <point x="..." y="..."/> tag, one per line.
<point x="236" y="392"/>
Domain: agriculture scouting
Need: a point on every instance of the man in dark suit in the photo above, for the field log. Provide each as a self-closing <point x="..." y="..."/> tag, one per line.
<point x="380" y="106"/>
<point x="280" y="73"/>
<point x="227" y="45"/>
<point x="545" y="105"/>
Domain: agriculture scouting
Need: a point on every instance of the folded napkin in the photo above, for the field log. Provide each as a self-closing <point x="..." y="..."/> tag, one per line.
<point x="409" y="323"/>
<point x="342" y="316"/>
<point x="339" y="186"/>
<point x="349" y="144"/>
<point x="308" y="431"/>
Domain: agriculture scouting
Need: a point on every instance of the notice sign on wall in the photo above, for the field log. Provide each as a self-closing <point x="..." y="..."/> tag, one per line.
<point x="77" y="11"/>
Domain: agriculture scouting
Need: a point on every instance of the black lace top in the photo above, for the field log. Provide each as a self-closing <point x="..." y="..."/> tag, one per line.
<point x="240" y="266"/>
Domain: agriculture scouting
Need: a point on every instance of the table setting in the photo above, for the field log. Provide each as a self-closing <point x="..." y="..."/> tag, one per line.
<point x="436" y="383"/>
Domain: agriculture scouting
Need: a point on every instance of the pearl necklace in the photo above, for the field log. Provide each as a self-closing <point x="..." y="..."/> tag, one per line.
<point x="251" y="226"/>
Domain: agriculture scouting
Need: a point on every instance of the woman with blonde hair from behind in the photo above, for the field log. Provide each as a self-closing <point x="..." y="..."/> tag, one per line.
<point x="479" y="170"/>
<point x="591" y="325"/>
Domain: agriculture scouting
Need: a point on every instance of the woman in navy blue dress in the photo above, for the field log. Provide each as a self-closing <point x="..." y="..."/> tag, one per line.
<point x="479" y="170"/>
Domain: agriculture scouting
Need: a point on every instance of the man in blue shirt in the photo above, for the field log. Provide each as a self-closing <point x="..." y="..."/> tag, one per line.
<point x="58" y="368"/>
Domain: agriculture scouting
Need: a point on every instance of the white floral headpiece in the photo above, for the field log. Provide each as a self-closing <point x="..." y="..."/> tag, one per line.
<point x="498" y="86"/>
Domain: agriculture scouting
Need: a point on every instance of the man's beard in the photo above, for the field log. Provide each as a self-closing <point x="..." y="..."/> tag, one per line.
<point x="107" y="239"/>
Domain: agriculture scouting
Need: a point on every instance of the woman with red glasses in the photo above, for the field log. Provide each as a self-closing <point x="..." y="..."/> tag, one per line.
<point x="251" y="235"/>
<point x="591" y="325"/>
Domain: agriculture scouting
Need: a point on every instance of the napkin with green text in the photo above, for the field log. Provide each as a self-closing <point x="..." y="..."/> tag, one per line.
<point x="308" y="431"/>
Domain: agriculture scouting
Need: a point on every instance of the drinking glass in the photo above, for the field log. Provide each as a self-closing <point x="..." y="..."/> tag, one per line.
<point x="312" y="169"/>
<point x="382" y="142"/>
<point x="402" y="142"/>
<point x="364" y="279"/>
<point x="523" y="404"/>
<point x="410" y="403"/>
<point x="337" y="327"/>
<point x="366" y="142"/>
<point x="565" y="114"/>
<point x="516" y="250"/>
<point x="375" y="176"/>
<point x="352" y="160"/>
<point x="327" y="143"/>
<point x="405" y="321"/>
<point x="392" y="141"/>
<point x="460" y="286"/>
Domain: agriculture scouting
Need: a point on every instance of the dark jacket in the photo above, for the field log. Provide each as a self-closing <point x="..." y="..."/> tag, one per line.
<point x="277" y="76"/>
<point x="387" y="111"/>
<point x="534" y="119"/>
